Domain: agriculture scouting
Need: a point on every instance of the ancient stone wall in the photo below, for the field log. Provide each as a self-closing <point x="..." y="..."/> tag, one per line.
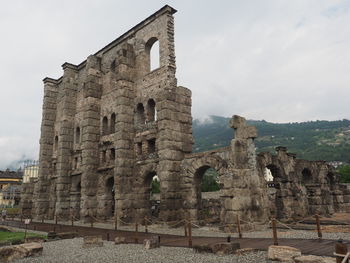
<point x="111" y="124"/>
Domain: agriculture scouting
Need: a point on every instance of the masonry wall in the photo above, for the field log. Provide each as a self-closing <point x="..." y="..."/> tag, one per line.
<point x="111" y="124"/>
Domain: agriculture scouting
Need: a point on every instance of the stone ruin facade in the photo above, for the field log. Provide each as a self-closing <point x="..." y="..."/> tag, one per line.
<point x="110" y="124"/>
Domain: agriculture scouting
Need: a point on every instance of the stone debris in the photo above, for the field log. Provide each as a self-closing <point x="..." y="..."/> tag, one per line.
<point x="218" y="248"/>
<point x="92" y="241"/>
<point x="152" y="242"/>
<point x="120" y="240"/>
<point x="314" y="259"/>
<point x="10" y="253"/>
<point x="66" y="235"/>
<point x="283" y="253"/>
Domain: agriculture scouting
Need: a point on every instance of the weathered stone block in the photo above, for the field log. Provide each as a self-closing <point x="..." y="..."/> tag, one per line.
<point x="152" y="242"/>
<point x="120" y="240"/>
<point x="10" y="253"/>
<point x="92" y="241"/>
<point x="283" y="253"/>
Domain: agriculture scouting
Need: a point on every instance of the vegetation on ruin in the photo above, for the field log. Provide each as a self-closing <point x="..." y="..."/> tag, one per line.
<point x="155" y="186"/>
<point x="210" y="181"/>
<point x="344" y="172"/>
<point x="313" y="140"/>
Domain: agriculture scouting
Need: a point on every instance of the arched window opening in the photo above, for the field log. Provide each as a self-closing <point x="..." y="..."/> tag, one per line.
<point x="77" y="135"/>
<point x="306" y="176"/>
<point x="140" y="114"/>
<point x="110" y="196"/>
<point x="153" y="53"/>
<point x="206" y="187"/>
<point x="105" y="126"/>
<point x="151" y="110"/>
<point x="151" y="146"/>
<point x="112" y="154"/>
<point x="152" y="184"/>
<point x="113" y="123"/>
<point x="330" y="180"/>
<point x="113" y="66"/>
<point x="76" y="163"/>
<point x="55" y="145"/>
<point x="272" y="176"/>
<point x="273" y="180"/>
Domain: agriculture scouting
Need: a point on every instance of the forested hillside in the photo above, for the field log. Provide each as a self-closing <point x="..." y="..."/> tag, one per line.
<point x="313" y="140"/>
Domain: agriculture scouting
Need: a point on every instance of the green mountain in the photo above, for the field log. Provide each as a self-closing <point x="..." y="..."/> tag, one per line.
<point x="312" y="140"/>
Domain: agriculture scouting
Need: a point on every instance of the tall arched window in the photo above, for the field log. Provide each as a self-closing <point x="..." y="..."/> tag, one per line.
<point x="77" y="135"/>
<point x="151" y="110"/>
<point x="113" y="123"/>
<point x="306" y="176"/>
<point x="55" y="145"/>
<point x="140" y="114"/>
<point x="105" y="125"/>
<point x="152" y="53"/>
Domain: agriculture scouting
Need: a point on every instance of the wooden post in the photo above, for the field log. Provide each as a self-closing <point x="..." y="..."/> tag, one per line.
<point x="239" y="227"/>
<point x="55" y="219"/>
<point x="341" y="248"/>
<point x="107" y="236"/>
<point x="116" y="223"/>
<point x="274" y="231"/>
<point x="185" y="227"/>
<point x="189" y="233"/>
<point x="72" y="220"/>
<point x="21" y="218"/>
<point x="146" y="225"/>
<point x="318" y="226"/>
<point x="136" y="233"/>
<point x="229" y="239"/>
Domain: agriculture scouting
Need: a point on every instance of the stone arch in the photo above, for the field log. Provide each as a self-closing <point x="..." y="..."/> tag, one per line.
<point x="306" y="176"/>
<point x="152" y="199"/>
<point x="55" y="144"/>
<point x="274" y="191"/>
<point x="140" y="114"/>
<point x="331" y="180"/>
<point x="198" y="168"/>
<point x="75" y="197"/>
<point x="77" y="134"/>
<point x="151" y="110"/>
<point x="110" y="197"/>
<point x="152" y="51"/>
<point x="105" y="125"/>
<point x="113" y="118"/>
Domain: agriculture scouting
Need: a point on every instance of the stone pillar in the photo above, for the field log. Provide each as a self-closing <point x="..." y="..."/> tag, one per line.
<point x="67" y="98"/>
<point x="174" y="141"/>
<point x="243" y="190"/>
<point x="41" y="190"/>
<point x="91" y="108"/>
<point x="124" y="177"/>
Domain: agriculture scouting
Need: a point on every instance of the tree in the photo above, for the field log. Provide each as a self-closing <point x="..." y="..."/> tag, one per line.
<point x="344" y="172"/>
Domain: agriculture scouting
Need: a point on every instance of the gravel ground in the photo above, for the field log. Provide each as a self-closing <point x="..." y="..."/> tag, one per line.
<point x="70" y="250"/>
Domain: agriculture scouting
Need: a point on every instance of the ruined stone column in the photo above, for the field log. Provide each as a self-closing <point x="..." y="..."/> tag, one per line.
<point x="90" y="137"/>
<point x="124" y="176"/>
<point x="41" y="193"/>
<point x="174" y="141"/>
<point x="67" y="98"/>
<point x="243" y="192"/>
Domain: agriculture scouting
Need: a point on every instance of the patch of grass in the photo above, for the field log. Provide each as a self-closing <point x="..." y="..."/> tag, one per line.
<point x="16" y="236"/>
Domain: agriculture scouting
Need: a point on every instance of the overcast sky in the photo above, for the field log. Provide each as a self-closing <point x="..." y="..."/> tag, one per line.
<point x="278" y="60"/>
